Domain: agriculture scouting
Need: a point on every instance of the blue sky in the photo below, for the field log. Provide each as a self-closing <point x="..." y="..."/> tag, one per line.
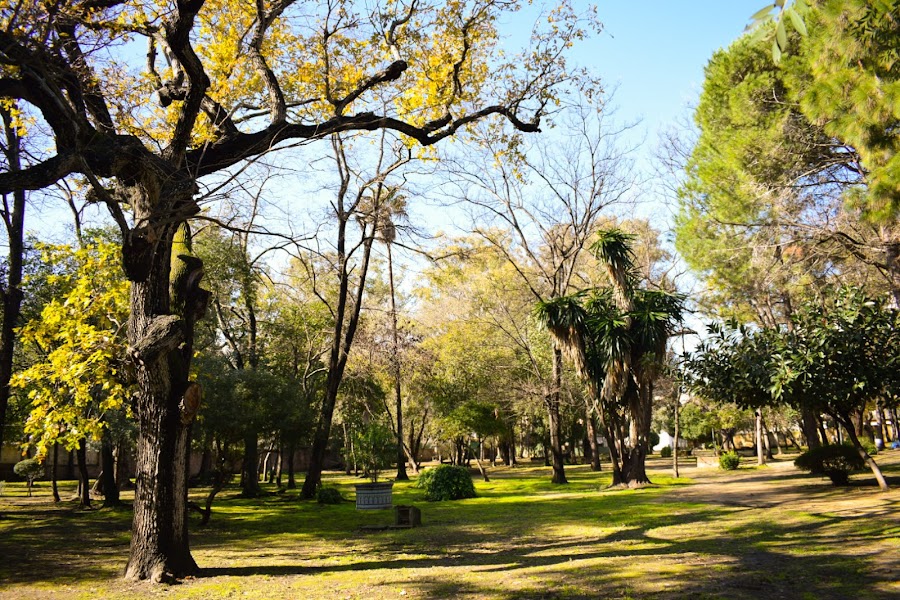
<point x="656" y="50"/>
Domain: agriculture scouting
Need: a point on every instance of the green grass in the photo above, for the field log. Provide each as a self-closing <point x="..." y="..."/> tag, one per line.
<point x="523" y="537"/>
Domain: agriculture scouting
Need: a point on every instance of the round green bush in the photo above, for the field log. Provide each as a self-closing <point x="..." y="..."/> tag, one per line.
<point x="835" y="461"/>
<point x="446" y="482"/>
<point x="328" y="495"/>
<point x="729" y="461"/>
<point x="29" y="469"/>
<point x="665" y="452"/>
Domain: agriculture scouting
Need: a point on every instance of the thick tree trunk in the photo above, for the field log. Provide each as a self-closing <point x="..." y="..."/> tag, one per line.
<point x="11" y="293"/>
<point x="292" y="482"/>
<point x="552" y="400"/>
<point x="809" y="425"/>
<point x="53" y="473"/>
<point x="641" y="408"/>
<point x="165" y="301"/>
<point x="590" y="422"/>
<point x="250" y="467"/>
<point x="159" y="536"/>
<point x="84" y="490"/>
<point x="108" y="462"/>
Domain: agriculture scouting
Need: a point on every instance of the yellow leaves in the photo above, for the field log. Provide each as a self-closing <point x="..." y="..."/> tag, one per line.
<point x="79" y="378"/>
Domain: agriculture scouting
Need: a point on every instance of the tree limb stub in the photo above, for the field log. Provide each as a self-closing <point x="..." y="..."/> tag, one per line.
<point x="165" y="333"/>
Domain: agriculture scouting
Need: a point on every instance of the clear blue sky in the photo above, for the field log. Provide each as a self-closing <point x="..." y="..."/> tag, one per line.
<point x="655" y="51"/>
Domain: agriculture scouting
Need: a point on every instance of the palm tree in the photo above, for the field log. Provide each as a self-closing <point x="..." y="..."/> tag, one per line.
<point x="386" y="208"/>
<point x="617" y="339"/>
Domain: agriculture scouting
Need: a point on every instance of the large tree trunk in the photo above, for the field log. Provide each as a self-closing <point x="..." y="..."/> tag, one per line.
<point x="84" y="490"/>
<point x="108" y="476"/>
<point x="292" y="482"/>
<point x="809" y="425"/>
<point x="641" y="409"/>
<point x="250" y="467"/>
<point x="165" y="301"/>
<point x="11" y="292"/>
<point x="590" y="422"/>
<point x="552" y="400"/>
<point x="53" y="473"/>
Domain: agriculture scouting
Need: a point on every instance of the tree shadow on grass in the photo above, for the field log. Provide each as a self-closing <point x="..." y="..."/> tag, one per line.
<point x="760" y="559"/>
<point x="63" y="543"/>
<point x="644" y="543"/>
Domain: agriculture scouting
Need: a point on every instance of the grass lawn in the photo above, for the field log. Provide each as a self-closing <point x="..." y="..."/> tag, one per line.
<point x="760" y="533"/>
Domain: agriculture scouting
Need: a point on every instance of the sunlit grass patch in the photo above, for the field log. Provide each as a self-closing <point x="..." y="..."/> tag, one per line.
<point x="522" y="537"/>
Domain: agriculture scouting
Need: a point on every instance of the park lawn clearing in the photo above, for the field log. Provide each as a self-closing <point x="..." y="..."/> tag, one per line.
<point x="768" y="532"/>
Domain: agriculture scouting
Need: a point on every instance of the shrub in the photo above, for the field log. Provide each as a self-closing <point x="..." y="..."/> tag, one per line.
<point x="328" y="495"/>
<point x="29" y="469"/>
<point x="446" y="482"/>
<point x="729" y="461"/>
<point x="665" y="452"/>
<point x="835" y="461"/>
<point x="869" y="447"/>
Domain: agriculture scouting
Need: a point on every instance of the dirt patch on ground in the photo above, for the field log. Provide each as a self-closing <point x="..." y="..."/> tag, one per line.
<point x="781" y="485"/>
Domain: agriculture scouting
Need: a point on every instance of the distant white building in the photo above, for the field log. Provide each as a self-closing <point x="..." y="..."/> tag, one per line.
<point x="667" y="440"/>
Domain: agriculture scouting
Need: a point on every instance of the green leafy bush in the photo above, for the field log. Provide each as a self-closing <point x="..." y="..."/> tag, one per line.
<point x="835" y="461"/>
<point x="729" y="461"/>
<point x="869" y="447"/>
<point x="446" y="482"/>
<point x="665" y="452"/>
<point x="328" y="495"/>
<point x="375" y="448"/>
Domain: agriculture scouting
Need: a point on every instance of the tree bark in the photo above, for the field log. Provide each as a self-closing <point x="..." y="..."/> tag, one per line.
<point x="166" y="401"/>
<point x="108" y="462"/>
<point x="398" y="398"/>
<point x="337" y="359"/>
<point x="809" y="425"/>
<point x="11" y="292"/>
<point x="591" y="424"/>
<point x="84" y="490"/>
<point x="292" y="482"/>
<point x="870" y="462"/>
<point x="552" y="400"/>
<point x="250" y="467"/>
<point x="641" y="408"/>
<point x="760" y="452"/>
<point x="53" y="477"/>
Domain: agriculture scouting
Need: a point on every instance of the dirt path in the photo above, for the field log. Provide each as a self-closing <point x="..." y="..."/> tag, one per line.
<point x="780" y="485"/>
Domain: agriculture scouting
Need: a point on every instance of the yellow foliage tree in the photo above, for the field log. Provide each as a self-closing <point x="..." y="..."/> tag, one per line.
<point x="80" y="337"/>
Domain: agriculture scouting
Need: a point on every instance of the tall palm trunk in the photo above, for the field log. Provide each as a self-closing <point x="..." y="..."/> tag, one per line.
<point x="398" y="398"/>
<point x="552" y="400"/>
